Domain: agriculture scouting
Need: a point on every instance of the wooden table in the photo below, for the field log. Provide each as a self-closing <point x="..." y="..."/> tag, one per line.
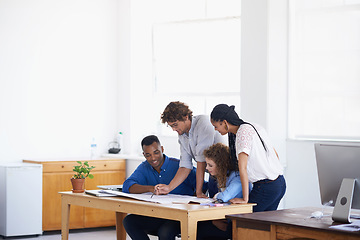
<point x="187" y="214"/>
<point x="287" y="224"/>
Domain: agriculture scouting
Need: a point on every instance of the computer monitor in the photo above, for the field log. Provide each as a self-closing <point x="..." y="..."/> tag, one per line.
<point x="338" y="167"/>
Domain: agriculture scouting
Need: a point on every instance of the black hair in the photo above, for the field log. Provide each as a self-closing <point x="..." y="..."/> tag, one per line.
<point x="223" y="112"/>
<point x="148" y="140"/>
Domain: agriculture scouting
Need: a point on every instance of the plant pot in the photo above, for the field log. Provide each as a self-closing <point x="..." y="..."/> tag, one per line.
<point x="78" y="185"/>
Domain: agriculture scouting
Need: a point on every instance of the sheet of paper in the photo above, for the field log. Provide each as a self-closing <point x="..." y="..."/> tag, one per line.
<point x="354" y="226"/>
<point x="164" y="199"/>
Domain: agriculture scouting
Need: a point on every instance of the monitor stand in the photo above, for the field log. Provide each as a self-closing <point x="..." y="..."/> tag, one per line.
<point x="344" y="199"/>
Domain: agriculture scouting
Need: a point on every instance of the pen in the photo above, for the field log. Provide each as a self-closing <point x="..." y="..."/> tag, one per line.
<point x="153" y="192"/>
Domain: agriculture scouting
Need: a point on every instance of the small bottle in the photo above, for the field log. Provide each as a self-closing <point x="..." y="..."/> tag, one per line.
<point x="93" y="148"/>
<point x="120" y="141"/>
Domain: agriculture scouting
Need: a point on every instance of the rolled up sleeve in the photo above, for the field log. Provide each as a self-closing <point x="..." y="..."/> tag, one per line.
<point x="137" y="177"/>
<point x="233" y="189"/>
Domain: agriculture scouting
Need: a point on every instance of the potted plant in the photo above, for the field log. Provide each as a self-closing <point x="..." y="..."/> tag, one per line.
<point x="82" y="171"/>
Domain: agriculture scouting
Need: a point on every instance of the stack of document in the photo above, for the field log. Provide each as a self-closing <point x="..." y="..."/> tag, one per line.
<point x="165" y="199"/>
<point x="111" y="187"/>
<point x="116" y="190"/>
<point x="100" y="193"/>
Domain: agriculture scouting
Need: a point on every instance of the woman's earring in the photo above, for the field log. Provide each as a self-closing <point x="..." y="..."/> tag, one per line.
<point x="226" y="127"/>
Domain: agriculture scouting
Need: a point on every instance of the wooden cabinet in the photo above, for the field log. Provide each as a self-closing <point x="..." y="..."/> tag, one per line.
<point x="56" y="178"/>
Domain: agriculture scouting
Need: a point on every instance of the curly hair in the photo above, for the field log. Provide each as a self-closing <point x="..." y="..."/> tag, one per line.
<point x="220" y="154"/>
<point x="176" y="111"/>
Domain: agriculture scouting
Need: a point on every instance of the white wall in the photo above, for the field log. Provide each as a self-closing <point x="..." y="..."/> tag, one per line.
<point x="254" y="60"/>
<point x="124" y="86"/>
<point x="146" y="105"/>
<point x="58" y="77"/>
<point x="301" y="175"/>
<point x="264" y="95"/>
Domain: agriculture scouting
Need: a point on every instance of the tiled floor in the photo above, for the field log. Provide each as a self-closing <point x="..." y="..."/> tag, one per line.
<point x="88" y="234"/>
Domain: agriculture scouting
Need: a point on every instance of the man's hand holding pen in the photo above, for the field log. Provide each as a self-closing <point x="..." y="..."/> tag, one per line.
<point x="155" y="191"/>
<point x="162" y="189"/>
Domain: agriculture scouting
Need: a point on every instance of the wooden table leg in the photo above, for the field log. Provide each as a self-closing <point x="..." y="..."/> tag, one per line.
<point x="120" y="230"/>
<point x="273" y="232"/>
<point x="192" y="227"/>
<point x="65" y="214"/>
<point x="234" y="230"/>
<point x="188" y="229"/>
<point x="184" y="229"/>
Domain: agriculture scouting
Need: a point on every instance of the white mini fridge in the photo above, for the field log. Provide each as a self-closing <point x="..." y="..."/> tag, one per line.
<point x="20" y="199"/>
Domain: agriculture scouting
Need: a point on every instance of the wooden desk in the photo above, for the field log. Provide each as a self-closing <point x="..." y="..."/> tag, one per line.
<point x="187" y="214"/>
<point x="287" y="224"/>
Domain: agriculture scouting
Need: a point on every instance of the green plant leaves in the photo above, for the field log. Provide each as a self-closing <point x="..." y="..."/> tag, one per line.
<point x="83" y="170"/>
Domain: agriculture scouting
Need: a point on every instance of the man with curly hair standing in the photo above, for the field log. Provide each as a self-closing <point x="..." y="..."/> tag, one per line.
<point x="196" y="134"/>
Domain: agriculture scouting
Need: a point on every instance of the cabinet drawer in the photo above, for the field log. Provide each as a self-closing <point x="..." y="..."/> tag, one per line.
<point x="100" y="165"/>
<point x="108" y="165"/>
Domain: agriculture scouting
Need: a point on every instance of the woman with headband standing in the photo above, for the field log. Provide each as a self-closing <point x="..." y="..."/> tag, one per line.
<point x="258" y="161"/>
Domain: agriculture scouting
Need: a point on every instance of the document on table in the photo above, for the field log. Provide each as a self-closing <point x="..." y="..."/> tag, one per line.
<point x="99" y="193"/>
<point x="165" y="199"/>
<point x="354" y="226"/>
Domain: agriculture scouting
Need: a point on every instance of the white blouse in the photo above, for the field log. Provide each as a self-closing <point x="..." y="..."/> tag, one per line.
<point x="261" y="164"/>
